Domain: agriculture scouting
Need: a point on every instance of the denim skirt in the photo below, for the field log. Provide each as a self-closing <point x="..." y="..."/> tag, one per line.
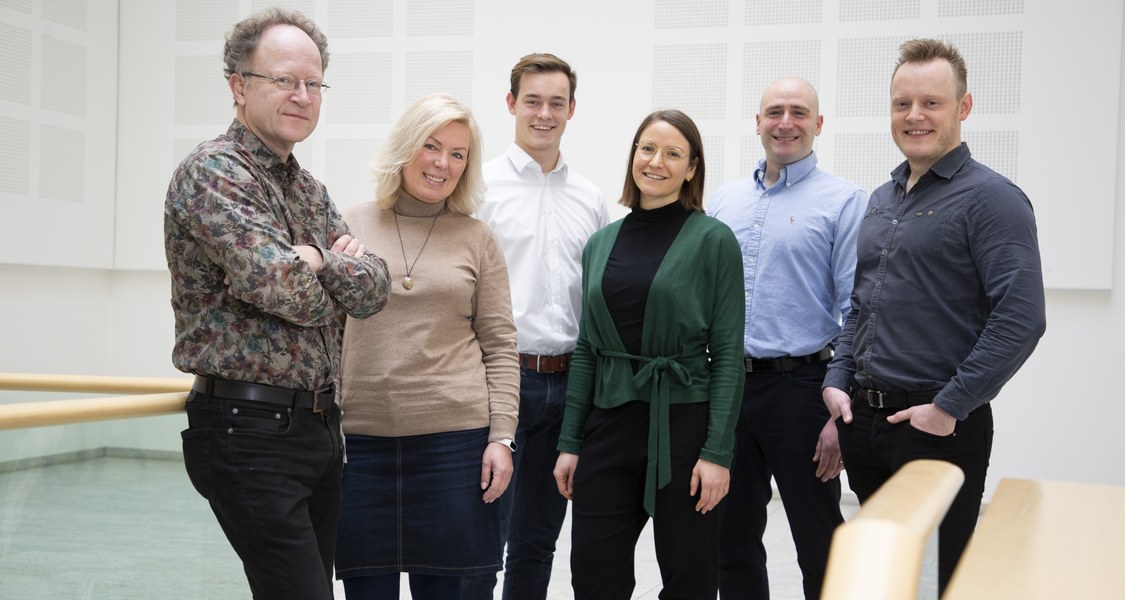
<point x="413" y="505"/>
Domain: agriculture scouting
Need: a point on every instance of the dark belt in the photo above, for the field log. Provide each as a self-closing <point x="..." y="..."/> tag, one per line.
<point x="786" y="363"/>
<point x="267" y="394"/>
<point x="545" y="364"/>
<point x="877" y="399"/>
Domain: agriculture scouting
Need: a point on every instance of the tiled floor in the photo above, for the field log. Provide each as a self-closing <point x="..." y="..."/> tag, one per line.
<point x="127" y="528"/>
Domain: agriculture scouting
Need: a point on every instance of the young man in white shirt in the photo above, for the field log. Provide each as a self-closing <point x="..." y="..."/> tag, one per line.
<point x="542" y="213"/>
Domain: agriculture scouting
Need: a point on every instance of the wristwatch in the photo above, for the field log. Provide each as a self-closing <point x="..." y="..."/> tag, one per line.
<point x="509" y="442"/>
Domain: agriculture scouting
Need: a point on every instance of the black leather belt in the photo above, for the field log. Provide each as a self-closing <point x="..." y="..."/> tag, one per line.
<point x="877" y="399"/>
<point x="785" y="363"/>
<point x="317" y="400"/>
<point x="545" y="364"/>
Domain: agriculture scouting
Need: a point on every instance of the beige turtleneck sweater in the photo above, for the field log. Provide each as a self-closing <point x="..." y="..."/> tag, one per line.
<point x="442" y="355"/>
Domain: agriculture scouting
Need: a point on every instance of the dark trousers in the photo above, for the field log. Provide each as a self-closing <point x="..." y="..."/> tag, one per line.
<point x="272" y="477"/>
<point x="386" y="587"/>
<point x="778" y="428"/>
<point x="532" y="510"/>
<point x="874" y="449"/>
<point x="607" y="514"/>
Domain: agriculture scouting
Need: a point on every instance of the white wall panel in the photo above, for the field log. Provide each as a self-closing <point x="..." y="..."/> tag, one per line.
<point x="58" y="102"/>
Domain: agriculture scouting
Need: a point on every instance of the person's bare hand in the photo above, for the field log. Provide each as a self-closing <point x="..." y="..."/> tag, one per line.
<point x="839" y="403"/>
<point x="711" y="482"/>
<point x="926" y="417"/>
<point x="564" y="474"/>
<point x="349" y="246"/>
<point x="829" y="461"/>
<point x="495" y="471"/>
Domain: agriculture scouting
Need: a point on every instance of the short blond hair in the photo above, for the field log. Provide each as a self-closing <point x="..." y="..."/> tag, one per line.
<point x="925" y="50"/>
<point x="423" y="119"/>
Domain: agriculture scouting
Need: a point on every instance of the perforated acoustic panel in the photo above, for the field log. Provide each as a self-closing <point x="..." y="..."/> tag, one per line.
<point x="348" y="167"/>
<point x="369" y="19"/>
<point x="979" y="8"/>
<point x="426" y="18"/>
<point x="769" y="12"/>
<point x="879" y="10"/>
<point x="63" y="76"/>
<point x="765" y="62"/>
<point x="15" y="162"/>
<point x="448" y="72"/>
<point x="202" y="95"/>
<point x="204" y="20"/>
<point x="15" y="63"/>
<point x="361" y="96"/>
<point x="701" y="13"/>
<point x="71" y="13"/>
<point x="692" y="78"/>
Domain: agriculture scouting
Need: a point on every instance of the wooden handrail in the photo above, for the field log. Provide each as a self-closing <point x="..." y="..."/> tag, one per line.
<point x="62" y="412"/>
<point x="159" y="396"/>
<point x="877" y="554"/>
<point x="91" y="384"/>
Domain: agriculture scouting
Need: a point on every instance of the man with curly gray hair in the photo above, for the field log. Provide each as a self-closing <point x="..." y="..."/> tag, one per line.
<point x="263" y="271"/>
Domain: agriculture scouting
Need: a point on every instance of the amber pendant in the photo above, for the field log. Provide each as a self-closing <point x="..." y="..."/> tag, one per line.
<point x="407" y="282"/>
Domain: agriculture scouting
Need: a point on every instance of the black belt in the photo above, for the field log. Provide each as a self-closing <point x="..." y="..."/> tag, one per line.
<point x="317" y="400"/>
<point x="877" y="399"/>
<point x="786" y="363"/>
<point x="545" y="364"/>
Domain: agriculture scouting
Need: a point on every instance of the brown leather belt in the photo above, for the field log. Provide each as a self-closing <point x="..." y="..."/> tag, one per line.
<point x="545" y="364"/>
<point x="785" y="363"/>
<point x="877" y="399"/>
<point x="317" y="400"/>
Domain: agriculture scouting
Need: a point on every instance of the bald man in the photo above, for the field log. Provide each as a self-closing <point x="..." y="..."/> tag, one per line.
<point x="797" y="228"/>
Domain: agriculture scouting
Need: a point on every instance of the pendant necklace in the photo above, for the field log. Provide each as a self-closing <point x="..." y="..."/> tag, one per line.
<point x="408" y="281"/>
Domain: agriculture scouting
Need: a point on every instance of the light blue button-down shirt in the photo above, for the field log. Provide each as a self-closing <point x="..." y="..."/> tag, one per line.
<point x="798" y="242"/>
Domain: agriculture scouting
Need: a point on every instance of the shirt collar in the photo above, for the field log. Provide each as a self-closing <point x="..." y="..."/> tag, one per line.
<point x="789" y="175"/>
<point x="265" y="157"/>
<point x="520" y="160"/>
<point x="946" y="167"/>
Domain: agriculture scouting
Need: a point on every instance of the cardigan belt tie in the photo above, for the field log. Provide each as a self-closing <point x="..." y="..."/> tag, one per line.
<point x="656" y="372"/>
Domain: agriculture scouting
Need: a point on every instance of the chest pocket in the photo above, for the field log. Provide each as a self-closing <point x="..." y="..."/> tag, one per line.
<point x="923" y="231"/>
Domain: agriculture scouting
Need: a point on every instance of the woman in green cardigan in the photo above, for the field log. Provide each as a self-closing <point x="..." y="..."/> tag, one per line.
<point x="656" y="379"/>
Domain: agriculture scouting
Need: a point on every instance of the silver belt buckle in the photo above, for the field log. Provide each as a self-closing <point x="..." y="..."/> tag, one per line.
<point x="879" y="396"/>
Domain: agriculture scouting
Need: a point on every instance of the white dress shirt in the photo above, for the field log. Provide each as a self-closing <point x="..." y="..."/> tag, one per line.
<point x="542" y="221"/>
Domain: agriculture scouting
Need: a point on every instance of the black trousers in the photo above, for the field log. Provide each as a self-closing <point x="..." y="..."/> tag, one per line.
<point x="607" y="514"/>
<point x="272" y="477"/>
<point x="874" y="449"/>
<point x="778" y="428"/>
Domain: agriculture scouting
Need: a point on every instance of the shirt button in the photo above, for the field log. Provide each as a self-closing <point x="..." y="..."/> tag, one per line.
<point x="894" y="222"/>
<point x="884" y="251"/>
<point x="878" y="284"/>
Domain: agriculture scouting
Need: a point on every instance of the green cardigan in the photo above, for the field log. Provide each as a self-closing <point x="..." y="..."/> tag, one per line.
<point x="691" y="345"/>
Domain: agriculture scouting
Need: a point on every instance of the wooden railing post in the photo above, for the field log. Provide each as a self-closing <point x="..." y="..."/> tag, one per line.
<point x="877" y="554"/>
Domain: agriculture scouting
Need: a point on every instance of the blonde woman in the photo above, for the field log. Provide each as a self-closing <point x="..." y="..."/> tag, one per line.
<point x="430" y="389"/>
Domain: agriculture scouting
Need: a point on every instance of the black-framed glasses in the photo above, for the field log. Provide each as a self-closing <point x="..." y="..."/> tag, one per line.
<point x="290" y="83"/>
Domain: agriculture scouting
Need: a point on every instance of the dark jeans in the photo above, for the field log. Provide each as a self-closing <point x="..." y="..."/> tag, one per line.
<point x="608" y="513"/>
<point x="874" y="449"/>
<point x="532" y="510"/>
<point x="272" y="477"/>
<point x="778" y="428"/>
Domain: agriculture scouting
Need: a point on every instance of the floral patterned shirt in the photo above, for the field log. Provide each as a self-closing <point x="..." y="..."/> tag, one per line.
<point x="247" y="308"/>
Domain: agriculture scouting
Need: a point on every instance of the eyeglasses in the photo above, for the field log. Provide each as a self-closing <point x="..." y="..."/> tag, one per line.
<point x="670" y="154"/>
<point x="289" y="83"/>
